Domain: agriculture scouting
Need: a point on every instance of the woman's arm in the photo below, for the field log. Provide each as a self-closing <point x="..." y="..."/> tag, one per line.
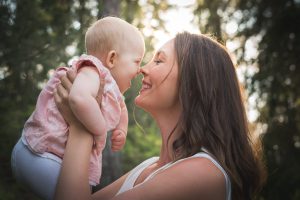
<point x="73" y="179"/>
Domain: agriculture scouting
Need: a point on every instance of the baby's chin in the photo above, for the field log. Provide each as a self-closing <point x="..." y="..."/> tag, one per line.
<point x="123" y="90"/>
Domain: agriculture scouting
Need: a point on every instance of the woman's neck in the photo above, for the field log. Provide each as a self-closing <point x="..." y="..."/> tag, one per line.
<point x="167" y="122"/>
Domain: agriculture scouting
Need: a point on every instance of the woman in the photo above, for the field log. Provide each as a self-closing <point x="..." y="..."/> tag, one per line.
<point x="191" y="90"/>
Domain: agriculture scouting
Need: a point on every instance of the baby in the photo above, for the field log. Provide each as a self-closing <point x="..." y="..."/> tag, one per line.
<point x="115" y="50"/>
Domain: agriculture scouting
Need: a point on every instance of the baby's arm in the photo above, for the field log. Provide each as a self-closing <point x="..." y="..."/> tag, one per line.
<point x="118" y="137"/>
<point x="83" y="102"/>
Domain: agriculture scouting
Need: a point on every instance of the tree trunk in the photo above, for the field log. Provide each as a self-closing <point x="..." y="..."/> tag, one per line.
<point x="110" y="8"/>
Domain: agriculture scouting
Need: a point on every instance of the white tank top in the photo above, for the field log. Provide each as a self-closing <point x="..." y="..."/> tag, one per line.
<point x="133" y="175"/>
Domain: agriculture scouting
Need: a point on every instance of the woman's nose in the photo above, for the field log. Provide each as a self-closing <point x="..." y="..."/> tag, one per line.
<point x="144" y="70"/>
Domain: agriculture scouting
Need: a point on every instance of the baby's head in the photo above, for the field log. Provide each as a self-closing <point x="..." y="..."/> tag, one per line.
<point x="120" y="47"/>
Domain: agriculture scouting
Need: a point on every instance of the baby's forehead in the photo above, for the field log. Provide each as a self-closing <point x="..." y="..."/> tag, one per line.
<point x="134" y="43"/>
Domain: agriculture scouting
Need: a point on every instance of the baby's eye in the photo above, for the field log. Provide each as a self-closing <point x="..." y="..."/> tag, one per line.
<point x="157" y="61"/>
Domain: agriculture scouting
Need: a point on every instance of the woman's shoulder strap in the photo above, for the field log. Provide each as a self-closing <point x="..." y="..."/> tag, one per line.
<point x="134" y="173"/>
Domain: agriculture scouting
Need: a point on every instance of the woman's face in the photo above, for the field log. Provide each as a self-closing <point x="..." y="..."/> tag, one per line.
<point x="159" y="86"/>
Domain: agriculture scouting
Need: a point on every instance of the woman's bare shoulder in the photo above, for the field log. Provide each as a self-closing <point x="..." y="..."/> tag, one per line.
<point x="191" y="178"/>
<point x="196" y="177"/>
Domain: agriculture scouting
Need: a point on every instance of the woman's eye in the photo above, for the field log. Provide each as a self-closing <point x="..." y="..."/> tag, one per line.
<point x="157" y="61"/>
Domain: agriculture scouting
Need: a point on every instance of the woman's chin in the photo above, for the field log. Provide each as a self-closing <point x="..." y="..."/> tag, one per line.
<point x="140" y="101"/>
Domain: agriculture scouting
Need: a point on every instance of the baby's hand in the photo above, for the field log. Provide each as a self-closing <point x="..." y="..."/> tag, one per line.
<point x="118" y="139"/>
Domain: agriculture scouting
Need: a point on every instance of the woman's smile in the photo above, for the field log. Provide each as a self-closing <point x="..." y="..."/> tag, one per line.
<point x="145" y="86"/>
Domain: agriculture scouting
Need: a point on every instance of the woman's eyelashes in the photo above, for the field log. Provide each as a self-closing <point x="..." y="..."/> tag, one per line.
<point x="157" y="61"/>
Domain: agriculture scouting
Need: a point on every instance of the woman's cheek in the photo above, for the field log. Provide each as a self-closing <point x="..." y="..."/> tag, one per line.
<point x="169" y="97"/>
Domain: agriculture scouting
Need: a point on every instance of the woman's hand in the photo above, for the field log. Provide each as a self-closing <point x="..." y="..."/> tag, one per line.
<point x="61" y="97"/>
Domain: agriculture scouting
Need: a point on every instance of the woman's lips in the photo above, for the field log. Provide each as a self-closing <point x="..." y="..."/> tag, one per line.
<point x="145" y="86"/>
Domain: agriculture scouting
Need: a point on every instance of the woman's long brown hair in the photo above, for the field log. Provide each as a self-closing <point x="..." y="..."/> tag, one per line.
<point x="213" y="114"/>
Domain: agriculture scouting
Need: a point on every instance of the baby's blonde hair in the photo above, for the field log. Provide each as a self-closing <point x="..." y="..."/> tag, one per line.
<point x="109" y="33"/>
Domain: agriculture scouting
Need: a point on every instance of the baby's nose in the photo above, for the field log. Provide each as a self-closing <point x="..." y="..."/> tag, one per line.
<point x="138" y="72"/>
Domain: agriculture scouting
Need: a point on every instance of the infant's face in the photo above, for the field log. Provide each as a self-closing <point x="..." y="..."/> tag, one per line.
<point x="128" y="64"/>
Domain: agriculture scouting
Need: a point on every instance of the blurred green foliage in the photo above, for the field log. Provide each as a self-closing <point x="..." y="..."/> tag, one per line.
<point x="36" y="33"/>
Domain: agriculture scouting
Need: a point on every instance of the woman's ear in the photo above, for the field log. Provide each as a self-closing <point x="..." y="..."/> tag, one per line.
<point x="111" y="59"/>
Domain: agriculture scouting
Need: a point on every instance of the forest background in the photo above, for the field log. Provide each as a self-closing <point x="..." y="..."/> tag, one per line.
<point x="38" y="35"/>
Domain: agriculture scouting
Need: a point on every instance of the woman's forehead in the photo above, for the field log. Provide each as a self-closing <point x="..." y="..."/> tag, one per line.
<point x="166" y="49"/>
